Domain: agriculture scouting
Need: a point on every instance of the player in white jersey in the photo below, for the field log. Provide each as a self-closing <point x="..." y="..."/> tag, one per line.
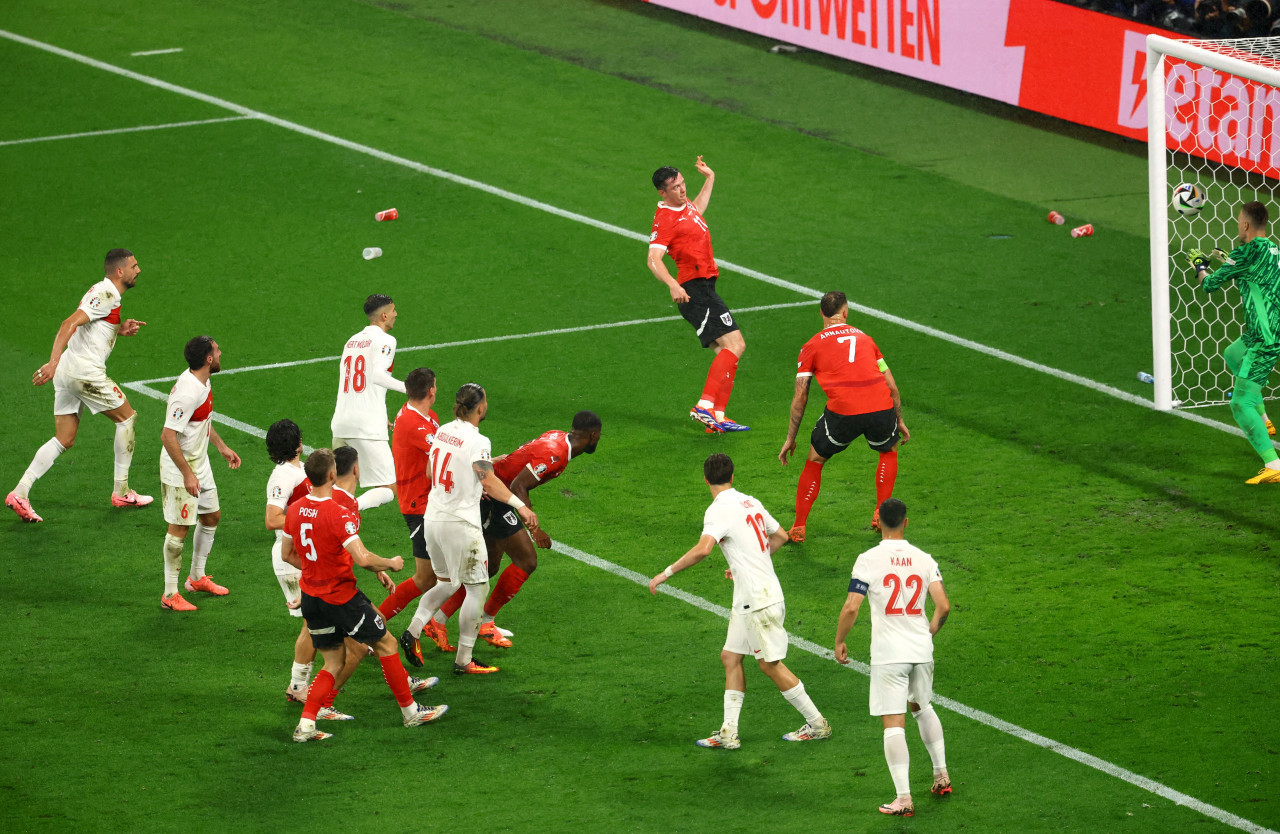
<point x="748" y="536"/>
<point x="77" y="367"/>
<point x="894" y="576"/>
<point x="360" y="416"/>
<point x="461" y="472"/>
<point x="187" y="491"/>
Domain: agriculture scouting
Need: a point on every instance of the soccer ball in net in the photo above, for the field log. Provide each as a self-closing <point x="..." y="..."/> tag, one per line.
<point x="1188" y="199"/>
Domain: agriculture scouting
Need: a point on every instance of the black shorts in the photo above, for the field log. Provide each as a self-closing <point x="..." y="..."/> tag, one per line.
<point x="498" y="520"/>
<point x="706" y="310"/>
<point x="329" y="624"/>
<point x="417" y="535"/>
<point x="834" y="432"/>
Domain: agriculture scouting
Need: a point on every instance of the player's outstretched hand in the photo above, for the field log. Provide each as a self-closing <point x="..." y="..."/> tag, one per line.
<point x="787" y="449"/>
<point x="530" y="519"/>
<point x="703" y="168"/>
<point x="728" y="574"/>
<point x="232" y="459"/>
<point x="44" y="374"/>
<point x="294" y="603"/>
<point x="387" y="581"/>
<point x="131" y="326"/>
<point x="541" y="539"/>
<point x="842" y="653"/>
<point x="656" y="581"/>
<point x="1219" y="256"/>
<point x="1197" y="259"/>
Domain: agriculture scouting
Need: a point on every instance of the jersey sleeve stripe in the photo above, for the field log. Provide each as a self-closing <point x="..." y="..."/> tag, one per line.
<point x="658" y="246"/>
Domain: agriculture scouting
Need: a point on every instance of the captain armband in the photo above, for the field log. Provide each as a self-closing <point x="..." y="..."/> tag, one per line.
<point x="857" y="586"/>
<point x="882" y="365"/>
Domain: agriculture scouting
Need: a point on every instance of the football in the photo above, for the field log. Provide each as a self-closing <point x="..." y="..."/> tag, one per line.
<point x="1188" y="199"/>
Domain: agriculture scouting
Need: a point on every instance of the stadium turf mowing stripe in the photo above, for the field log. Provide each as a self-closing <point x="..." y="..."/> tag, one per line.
<point x="608" y="227"/>
<point x="696" y="601"/>
<point x="117" y="130"/>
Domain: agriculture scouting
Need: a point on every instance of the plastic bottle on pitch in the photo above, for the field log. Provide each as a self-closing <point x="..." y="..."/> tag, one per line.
<point x="1143" y="376"/>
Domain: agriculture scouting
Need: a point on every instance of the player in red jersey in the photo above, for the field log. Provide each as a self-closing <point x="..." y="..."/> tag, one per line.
<point x="536" y="462"/>
<point x="334" y="608"/>
<point x="862" y="400"/>
<point x="415" y="429"/>
<point x="680" y="231"/>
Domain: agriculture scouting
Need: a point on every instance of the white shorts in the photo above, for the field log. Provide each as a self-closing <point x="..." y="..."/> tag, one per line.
<point x="288" y="576"/>
<point x="181" y="507"/>
<point x="377" y="467"/>
<point x="758" y="633"/>
<point x="894" y="684"/>
<point x="72" y="393"/>
<point x="458" y="551"/>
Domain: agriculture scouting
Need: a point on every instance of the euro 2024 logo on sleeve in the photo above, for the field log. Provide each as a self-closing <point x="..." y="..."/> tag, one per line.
<point x="277" y="492"/>
<point x="177" y="413"/>
<point x="350" y="527"/>
<point x="386" y="350"/>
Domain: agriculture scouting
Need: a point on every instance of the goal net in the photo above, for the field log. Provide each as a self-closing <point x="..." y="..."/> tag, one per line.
<point x="1213" y="116"/>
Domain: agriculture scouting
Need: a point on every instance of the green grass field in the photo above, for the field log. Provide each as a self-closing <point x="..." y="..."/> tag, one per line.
<point x="1112" y="577"/>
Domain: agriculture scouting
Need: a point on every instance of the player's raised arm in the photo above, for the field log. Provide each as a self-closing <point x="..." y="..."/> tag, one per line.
<point x="799" y="402"/>
<point x="695" y="554"/>
<point x="704" y="193"/>
<point x="383" y="379"/>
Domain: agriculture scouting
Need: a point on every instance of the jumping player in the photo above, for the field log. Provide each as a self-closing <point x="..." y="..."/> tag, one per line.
<point x="334" y="608"/>
<point x="536" y="462"/>
<point x="77" y="367"/>
<point x="360" y="416"/>
<point x="679" y="230"/>
<point x="893" y="577"/>
<point x="862" y="401"/>
<point x="747" y="536"/>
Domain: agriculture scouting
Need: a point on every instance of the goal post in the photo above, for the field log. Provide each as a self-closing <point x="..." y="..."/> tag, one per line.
<point x="1213" y="117"/>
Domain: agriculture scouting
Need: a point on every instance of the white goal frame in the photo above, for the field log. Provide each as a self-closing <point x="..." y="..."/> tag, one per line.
<point x="1158" y="48"/>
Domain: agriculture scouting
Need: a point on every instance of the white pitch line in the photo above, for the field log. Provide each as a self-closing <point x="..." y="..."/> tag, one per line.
<point x="484" y="340"/>
<point x="1150" y="785"/>
<point x="601" y="225"/>
<point x="116" y="130"/>
<point x="156" y="52"/>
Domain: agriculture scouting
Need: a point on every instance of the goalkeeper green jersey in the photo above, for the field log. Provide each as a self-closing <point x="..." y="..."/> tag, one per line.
<point x="1255" y="267"/>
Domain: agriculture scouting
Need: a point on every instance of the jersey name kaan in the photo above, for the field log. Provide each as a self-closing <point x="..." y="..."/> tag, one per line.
<point x="895" y="577"/>
<point x="189" y="409"/>
<point x="848" y="365"/>
<point x="364" y="376"/>
<point x="742" y="526"/>
<point x="683" y="234"/>
<point x="91" y="343"/>
<point x="455" y="489"/>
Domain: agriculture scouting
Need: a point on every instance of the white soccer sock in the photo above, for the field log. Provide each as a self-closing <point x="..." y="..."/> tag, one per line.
<point x="124" y="453"/>
<point x="301" y="674"/>
<point x="40" y="464"/>
<point x="797" y="698"/>
<point x="898" y="758"/>
<point x="732" y="708"/>
<point x="469" y="621"/>
<point x="440" y="618"/>
<point x="705" y="405"/>
<point x="201" y="547"/>
<point x="172" y="563"/>
<point x="429" y="603"/>
<point x="1274" y="464"/>
<point x="307" y="725"/>
<point x="931" y="735"/>
<point x="375" y="497"/>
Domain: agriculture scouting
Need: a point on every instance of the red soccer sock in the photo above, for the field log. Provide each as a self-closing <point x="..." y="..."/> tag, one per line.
<point x="508" y="586"/>
<point x="453" y="603"/>
<point x="405" y="593"/>
<point x="397" y="678"/>
<point x="726" y="385"/>
<point x="886" y="474"/>
<point x="333" y="694"/>
<point x="807" y="490"/>
<point x="723" y="367"/>
<point x="319" y="694"/>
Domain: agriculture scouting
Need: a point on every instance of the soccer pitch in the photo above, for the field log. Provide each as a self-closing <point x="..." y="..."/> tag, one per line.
<point x="1109" y="662"/>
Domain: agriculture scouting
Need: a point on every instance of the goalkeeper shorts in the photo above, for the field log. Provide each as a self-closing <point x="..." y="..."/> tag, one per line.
<point x="1258" y="362"/>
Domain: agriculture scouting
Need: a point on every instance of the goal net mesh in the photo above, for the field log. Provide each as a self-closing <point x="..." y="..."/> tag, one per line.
<point x="1209" y="111"/>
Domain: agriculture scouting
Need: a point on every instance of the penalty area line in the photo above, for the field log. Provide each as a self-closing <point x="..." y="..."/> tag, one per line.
<point x="1102" y="765"/>
<point x="114" y="131"/>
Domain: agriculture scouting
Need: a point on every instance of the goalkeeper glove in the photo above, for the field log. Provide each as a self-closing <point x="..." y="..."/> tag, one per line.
<point x="1198" y="260"/>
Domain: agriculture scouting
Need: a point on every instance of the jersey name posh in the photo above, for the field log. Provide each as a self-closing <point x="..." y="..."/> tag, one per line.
<point x="91" y="343"/>
<point x="364" y="375"/>
<point x="189" y="409"/>
<point x="846" y="363"/>
<point x="895" y="576"/>
<point x="742" y="527"/>
<point x="320" y="530"/>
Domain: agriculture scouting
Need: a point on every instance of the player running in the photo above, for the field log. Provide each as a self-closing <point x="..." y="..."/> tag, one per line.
<point x="1255" y="267"/>
<point x="894" y="575"/>
<point x="360" y="416"/>
<point x="333" y="606"/>
<point x="411" y="438"/>
<point x="187" y="489"/>
<point x="77" y="367"/>
<point x="747" y="536"/>
<point x="679" y="230"/>
<point x="461" y="471"/>
<point x="862" y="401"/>
<point x="536" y="462"/>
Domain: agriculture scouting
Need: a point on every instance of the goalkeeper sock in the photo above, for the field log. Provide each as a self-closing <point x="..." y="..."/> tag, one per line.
<point x="722" y="370"/>
<point x="886" y="474"/>
<point x="1244" y="407"/>
<point x="807" y="490"/>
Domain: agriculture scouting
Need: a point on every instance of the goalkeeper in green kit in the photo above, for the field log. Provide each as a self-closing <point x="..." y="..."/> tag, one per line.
<point x="1255" y="267"/>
